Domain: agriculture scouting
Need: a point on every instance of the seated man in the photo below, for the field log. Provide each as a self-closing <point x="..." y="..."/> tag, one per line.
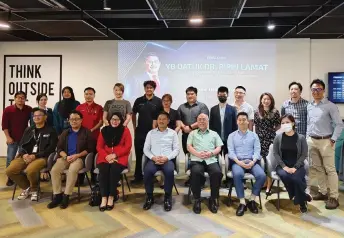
<point x="244" y="150"/>
<point x="37" y="143"/>
<point x="161" y="147"/>
<point x="73" y="146"/>
<point x="204" y="146"/>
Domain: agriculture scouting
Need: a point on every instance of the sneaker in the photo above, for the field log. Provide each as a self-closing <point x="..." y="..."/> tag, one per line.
<point x="24" y="194"/>
<point x="331" y="203"/>
<point x="34" y="196"/>
<point x="304" y="208"/>
<point x="320" y="197"/>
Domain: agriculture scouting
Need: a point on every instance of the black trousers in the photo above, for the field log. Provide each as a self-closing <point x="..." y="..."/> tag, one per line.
<point x="197" y="178"/>
<point x="139" y="143"/>
<point x="109" y="176"/>
<point x="294" y="183"/>
<point x="184" y="141"/>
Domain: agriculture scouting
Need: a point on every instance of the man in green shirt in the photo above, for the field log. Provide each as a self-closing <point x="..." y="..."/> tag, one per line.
<point x="204" y="146"/>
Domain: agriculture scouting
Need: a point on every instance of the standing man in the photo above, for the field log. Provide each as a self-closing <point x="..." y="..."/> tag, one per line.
<point x="92" y="119"/>
<point x="15" y="120"/>
<point x="147" y="107"/>
<point x="223" y="117"/>
<point x="296" y="106"/>
<point x="242" y="106"/>
<point x="188" y="113"/>
<point x="324" y="126"/>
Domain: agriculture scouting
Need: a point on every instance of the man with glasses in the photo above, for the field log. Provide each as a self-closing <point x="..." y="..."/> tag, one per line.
<point x="37" y="143"/>
<point x="242" y="106"/>
<point x="324" y="126"/>
<point x="296" y="106"/>
<point x="15" y="120"/>
<point x="73" y="146"/>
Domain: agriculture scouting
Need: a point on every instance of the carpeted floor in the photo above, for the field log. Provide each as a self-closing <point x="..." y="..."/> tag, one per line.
<point x="33" y="219"/>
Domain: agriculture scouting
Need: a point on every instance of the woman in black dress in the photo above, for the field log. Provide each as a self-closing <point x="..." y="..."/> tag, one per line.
<point x="267" y="122"/>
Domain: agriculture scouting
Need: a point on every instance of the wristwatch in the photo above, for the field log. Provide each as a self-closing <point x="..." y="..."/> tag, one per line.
<point x="190" y="127"/>
<point x="333" y="141"/>
<point x="212" y="154"/>
<point x="64" y="157"/>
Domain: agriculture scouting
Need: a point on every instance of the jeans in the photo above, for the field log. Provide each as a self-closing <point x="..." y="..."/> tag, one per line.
<point x="238" y="176"/>
<point x="11" y="152"/>
<point x="151" y="168"/>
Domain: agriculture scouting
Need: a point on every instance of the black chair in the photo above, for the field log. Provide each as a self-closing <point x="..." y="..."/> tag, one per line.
<point x="160" y="173"/>
<point x="47" y="169"/>
<point x="123" y="174"/>
<point x="188" y="173"/>
<point x="247" y="176"/>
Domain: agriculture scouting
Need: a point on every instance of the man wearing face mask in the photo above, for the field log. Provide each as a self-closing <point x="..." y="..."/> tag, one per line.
<point x="223" y="117"/>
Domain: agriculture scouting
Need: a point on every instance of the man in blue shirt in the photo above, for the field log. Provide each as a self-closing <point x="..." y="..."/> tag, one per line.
<point x="324" y="126"/>
<point x="244" y="150"/>
<point x="161" y="147"/>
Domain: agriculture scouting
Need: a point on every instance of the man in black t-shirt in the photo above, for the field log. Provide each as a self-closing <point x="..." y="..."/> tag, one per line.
<point x="146" y="107"/>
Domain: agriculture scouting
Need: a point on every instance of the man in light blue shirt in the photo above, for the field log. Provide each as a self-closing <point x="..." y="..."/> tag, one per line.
<point x="324" y="126"/>
<point x="244" y="150"/>
<point x="161" y="147"/>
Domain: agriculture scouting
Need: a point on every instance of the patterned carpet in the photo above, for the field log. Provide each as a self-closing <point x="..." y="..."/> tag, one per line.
<point x="128" y="219"/>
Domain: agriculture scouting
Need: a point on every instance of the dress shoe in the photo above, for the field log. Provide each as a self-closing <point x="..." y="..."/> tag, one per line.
<point x="65" y="201"/>
<point x="110" y="207"/>
<point x="148" y="204"/>
<point x="57" y="199"/>
<point x="9" y="182"/>
<point x="252" y="206"/>
<point x="303" y="207"/>
<point x="309" y="197"/>
<point x="213" y="207"/>
<point x="168" y="204"/>
<point x="331" y="203"/>
<point x="197" y="208"/>
<point x="320" y="197"/>
<point x="241" y="210"/>
<point x="102" y="209"/>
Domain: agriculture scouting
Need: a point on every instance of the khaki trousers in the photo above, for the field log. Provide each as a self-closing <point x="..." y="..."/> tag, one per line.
<point x="15" y="172"/>
<point x="322" y="166"/>
<point x="72" y="175"/>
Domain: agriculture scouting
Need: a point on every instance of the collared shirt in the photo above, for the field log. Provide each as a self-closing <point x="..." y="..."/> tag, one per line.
<point x="72" y="142"/>
<point x="299" y="112"/>
<point x="243" y="146"/>
<point x="16" y="120"/>
<point x="222" y="115"/>
<point x="147" y="110"/>
<point x="92" y="114"/>
<point x="162" y="143"/>
<point x="324" y="119"/>
<point x="188" y="113"/>
<point x="245" y="107"/>
<point x="204" y="141"/>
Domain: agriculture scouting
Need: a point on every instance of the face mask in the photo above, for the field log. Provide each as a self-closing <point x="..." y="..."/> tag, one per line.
<point x="287" y="127"/>
<point x="222" y="99"/>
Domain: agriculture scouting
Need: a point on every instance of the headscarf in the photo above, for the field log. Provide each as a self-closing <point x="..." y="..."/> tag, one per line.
<point x="66" y="105"/>
<point x="113" y="135"/>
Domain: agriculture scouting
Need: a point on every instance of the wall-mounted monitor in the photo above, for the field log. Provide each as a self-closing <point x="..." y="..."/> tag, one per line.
<point x="336" y="87"/>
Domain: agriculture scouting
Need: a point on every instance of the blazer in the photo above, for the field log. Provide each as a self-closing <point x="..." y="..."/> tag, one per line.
<point x="229" y="122"/>
<point x="302" y="150"/>
<point x="85" y="141"/>
<point x="122" y="150"/>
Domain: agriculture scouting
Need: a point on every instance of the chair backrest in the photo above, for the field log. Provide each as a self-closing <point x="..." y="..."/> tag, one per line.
<point x="306" y="166"/>
<point x="89" y="161"/>
<point x="95" y="160"/>
<point x="227" y="162"/>
<point x="130" y="158"/>
<point x="50" y="161"/>
<point x="177" y="164"/>
<point x="187" y="159"/>
<point x="271" y="163"/>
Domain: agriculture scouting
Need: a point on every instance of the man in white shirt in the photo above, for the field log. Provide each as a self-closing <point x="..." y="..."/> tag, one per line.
<point x="242" y="106"/>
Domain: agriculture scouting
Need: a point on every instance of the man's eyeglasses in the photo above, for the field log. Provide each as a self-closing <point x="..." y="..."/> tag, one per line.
<point x="38" y="116"/>
<point x="317" y="90"/>
<point x="74" y="119"/>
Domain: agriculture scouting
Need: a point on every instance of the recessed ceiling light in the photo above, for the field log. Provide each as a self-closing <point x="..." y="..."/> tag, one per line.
<point x="4" y="25"/>
<point x="107" y="8"/>
<point x="271" y="26"/>
<point x="196" y="20"/>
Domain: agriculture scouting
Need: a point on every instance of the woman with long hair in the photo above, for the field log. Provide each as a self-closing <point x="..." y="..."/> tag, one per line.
<point x="266" y="121"/>
<point x="63" y="108"/>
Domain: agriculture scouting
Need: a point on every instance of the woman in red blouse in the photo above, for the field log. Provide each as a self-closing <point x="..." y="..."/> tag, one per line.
<point x="113" y="146"/>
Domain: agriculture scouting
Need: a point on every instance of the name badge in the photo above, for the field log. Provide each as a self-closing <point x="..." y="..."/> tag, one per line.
<point x="35" y="149"/>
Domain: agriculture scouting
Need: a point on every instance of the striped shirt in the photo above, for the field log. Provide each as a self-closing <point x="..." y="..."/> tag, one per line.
<point x="161" y="143"/>
<point x="299" y="112"/>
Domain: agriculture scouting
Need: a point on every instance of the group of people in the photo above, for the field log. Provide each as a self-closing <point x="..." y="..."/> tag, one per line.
<point x="309" y="131"/>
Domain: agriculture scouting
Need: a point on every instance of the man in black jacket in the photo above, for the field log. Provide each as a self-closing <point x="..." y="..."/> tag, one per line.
<point x="37" y="143"/>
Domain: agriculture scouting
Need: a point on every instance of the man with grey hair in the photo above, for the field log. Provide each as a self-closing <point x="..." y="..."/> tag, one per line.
<point x="204" y="146"/>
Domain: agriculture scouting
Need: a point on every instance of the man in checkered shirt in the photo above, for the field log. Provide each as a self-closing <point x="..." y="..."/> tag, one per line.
<point x="296" y="106"/>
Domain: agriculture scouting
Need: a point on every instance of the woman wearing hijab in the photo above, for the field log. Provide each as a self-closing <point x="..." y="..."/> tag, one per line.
<point x="113" y="146"/>
<point x="63" y="108"/>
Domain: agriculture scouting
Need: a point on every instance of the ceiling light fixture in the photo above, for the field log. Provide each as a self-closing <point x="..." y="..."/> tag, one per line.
<point x="4" y="25"/>
<point x="106" y="6"/>
<point x="196" y="20"/>
<point x="271" y="26"/>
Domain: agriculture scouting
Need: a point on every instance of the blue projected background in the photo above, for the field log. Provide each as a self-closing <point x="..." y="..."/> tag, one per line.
<point x="336" y="87"/>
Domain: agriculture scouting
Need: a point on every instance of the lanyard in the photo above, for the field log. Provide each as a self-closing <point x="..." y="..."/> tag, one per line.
<point x="34" y="136"/>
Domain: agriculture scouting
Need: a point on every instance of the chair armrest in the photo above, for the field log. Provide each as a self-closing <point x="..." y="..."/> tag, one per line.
<point x="89" y="161"/>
